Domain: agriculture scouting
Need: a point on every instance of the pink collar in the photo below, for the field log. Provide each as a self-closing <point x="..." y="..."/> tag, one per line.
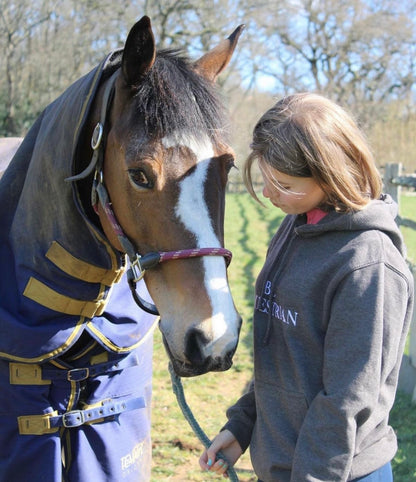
<point x="315" y="215"/>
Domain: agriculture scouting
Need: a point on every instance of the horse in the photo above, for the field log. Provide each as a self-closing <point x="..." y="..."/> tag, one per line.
<point x="115" y="198"/>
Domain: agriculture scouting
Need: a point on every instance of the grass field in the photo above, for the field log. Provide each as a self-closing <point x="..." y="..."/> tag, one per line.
<point x="408" y="210"/>
<point x="176" y="449"/>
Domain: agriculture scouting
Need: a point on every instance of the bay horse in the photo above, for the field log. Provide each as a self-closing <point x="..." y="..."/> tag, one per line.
<point x="127" y="167"/>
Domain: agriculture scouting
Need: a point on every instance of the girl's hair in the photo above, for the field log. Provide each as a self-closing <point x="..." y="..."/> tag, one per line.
<point x="307" y="135"/>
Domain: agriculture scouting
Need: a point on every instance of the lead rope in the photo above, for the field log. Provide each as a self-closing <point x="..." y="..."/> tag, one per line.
<point x="187" y="413"/>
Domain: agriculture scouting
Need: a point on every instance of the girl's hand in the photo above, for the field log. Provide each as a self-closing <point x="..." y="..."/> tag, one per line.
<point x="230" y="448"/>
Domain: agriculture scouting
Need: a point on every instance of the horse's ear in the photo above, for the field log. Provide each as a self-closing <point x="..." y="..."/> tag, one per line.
<point x="214" y="62"/>
<point x="139" y="52"/>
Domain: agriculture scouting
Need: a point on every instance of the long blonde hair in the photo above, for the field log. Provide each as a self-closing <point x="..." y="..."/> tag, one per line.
<point x="307" y="135"/>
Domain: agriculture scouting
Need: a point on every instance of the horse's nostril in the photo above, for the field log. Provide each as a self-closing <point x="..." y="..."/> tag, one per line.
<point x="195" y="342"/>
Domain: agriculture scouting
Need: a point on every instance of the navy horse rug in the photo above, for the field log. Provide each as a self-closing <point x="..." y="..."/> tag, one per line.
<point x="53" y="300"/>
<point x="131" y="158"/>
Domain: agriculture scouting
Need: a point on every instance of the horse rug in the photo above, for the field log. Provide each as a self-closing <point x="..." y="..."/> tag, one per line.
<point x="75" y="351"/>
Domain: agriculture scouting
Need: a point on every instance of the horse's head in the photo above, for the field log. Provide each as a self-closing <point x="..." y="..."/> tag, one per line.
<point x="165" y="169"/>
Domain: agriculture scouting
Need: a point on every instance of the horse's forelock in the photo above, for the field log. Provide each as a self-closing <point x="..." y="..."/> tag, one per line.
<point x="173" y="97"/>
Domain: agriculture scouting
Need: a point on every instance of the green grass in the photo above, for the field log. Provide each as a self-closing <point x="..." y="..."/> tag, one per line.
<point x="248" y="230"/>
<point x="408" y="210"/>
<point x="403" y="420"/>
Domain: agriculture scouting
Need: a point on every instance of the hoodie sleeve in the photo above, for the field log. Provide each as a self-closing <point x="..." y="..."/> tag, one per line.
<point x="241" y="418"/>
<point x="368" y="322"/>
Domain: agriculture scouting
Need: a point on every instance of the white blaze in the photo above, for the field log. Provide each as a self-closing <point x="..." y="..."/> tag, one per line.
<point x="193" y="212"/>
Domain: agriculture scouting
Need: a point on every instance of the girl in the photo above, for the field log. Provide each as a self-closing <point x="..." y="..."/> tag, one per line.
<point x="332" y="307"/>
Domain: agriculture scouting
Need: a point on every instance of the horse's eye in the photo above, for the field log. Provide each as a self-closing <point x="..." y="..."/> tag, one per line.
<point x="139" y="177"/>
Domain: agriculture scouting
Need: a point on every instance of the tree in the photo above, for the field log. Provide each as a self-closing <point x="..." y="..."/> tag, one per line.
<point x="358" y="52"/>
<point x="18" y="21"/>
<point x="51" y="43"/>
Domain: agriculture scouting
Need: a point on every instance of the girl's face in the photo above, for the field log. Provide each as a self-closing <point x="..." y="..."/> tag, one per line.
<point x="293" y="195"/>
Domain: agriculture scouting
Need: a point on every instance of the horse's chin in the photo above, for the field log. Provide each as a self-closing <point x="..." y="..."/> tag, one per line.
<point x="183" y="369"/>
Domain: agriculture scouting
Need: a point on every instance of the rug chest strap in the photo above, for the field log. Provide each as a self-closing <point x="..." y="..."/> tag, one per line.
<point x="47" y="423"/>
<point x="79" y="374"/>
<point x="34" y="374"/>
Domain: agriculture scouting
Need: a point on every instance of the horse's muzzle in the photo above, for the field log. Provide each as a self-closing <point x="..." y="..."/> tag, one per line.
<point x="209" y="364"/>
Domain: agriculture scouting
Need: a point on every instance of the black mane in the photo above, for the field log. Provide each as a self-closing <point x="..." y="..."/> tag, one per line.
<point x="173" y="97"/>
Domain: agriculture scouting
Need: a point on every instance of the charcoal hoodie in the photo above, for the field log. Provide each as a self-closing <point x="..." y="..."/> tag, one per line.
<point x="333" y="305"/>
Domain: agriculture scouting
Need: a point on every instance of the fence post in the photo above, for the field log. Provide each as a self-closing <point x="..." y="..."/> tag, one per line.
<point x="412" y="338"/>
<point x="390" y="172"/>
<point x="407" y="379"/>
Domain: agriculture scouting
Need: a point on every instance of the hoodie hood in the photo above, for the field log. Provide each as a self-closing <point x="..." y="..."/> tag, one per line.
<point x="378" y="215"/>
